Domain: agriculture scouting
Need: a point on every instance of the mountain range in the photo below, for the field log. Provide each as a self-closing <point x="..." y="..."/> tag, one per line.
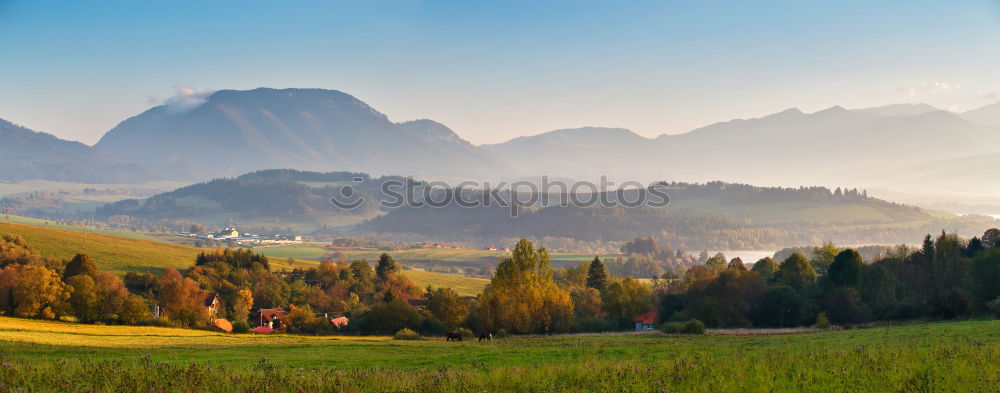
<point x="234" y="132"/>
<point x="786" y="148"/>
<point x="30" y="155"/>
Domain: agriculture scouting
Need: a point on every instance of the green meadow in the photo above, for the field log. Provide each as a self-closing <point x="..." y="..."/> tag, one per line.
<point x="920" y="357"/>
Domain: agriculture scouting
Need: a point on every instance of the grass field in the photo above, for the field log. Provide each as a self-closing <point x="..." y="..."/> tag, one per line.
<point x="423" y="256"/>
<point x="116" y="254"/>
<point x="11" y="219"/>
<point x="465" y="286"/>
<point x="311" y="253"/>
<point x="113" y="252"/>
<point x="117" y="251"/>
<point x="948" y="356"/>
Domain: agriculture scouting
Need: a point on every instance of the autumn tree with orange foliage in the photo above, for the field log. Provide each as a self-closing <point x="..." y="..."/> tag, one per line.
<point x="182" y="299"/>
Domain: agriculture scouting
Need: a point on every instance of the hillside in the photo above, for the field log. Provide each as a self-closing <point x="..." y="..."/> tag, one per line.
<point x="714" y="215"/>
<point x="30" y="155"/>
<point x="235" y="132"/>
<point x="116" y="254"/>
<point x="707" y="216"/>
<point x="270" y="198"/>
<point x="120" y="252"/>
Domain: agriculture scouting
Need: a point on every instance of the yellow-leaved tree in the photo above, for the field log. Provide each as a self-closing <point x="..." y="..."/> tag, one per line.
<point x="523" y="297"/>
<point x="242" y="305"/>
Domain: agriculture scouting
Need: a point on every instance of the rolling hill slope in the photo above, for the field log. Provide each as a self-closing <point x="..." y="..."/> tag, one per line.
<point x="119" y="254"/>
<point x="116" y="254"/>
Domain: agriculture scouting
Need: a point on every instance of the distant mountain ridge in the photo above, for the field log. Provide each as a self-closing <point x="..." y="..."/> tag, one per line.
<point x="835" y="145"/>
<point x="234" y="132"/>
<point x="31" y="155"/>
<point x="987" y="115"/>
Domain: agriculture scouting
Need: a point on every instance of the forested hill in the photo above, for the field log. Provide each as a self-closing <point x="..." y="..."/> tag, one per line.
<point x="700" y="216"/>
<point x="715" y="215"/>
<point x="287" y="195"/>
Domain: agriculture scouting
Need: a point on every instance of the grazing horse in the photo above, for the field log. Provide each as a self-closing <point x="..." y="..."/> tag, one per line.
<point x="453" y="337"/>
<point x="486" y="336"/>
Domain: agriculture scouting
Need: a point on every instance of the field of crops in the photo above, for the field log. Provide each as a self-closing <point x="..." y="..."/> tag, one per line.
<point x="948" y="356"/>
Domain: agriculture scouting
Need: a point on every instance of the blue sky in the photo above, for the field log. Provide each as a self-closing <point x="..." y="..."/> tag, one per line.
<point x="494" y="70"/>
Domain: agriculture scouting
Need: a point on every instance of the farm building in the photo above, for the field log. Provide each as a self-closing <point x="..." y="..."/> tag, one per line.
<point x="228" y="233"/>
<point x="272" y="317"/>
<point x="214" y="303"/>
<point x="645" y="321"/>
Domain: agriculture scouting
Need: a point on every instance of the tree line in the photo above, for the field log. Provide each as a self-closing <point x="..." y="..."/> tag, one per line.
<point x="947" y="277"/>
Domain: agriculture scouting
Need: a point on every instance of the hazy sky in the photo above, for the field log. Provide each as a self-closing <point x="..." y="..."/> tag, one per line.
<point x="495" y="70"/>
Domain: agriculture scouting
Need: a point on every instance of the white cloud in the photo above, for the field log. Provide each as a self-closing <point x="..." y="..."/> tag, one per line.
<point x="940" y="86"/>
<point x="186" y="98"/>
<point x="928" y="88"/>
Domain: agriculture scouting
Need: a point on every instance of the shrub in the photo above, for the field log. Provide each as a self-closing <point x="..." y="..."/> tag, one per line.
<point x="993" y="306"/>
<point x="902" y="311"/>
<point x="466" y="333"/>
<point x="591" y="324"/>
<point x="431" y="326"/>
<point x="387" y="317"/>
<point x="502" y="333"/>
<point x="134" y="311"/>
<point x="406" y="334"/>
<point x="165" y="322"/>
<point x="694" y="326"/>
<point x="822" y="322"/>
<point x="673" y="327"/>
<point x="241" y="327"/>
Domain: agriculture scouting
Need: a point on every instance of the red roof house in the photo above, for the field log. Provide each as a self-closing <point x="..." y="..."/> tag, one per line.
<point x="645" y="321"/>
<point x="272" y="317"/>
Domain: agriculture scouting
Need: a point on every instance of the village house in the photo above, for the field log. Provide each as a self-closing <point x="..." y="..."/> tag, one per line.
<point x="645" y="321"/>
<point x="272" y="317"/>
<point x="214" y="304"/>
<point x="228" y="233"/>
